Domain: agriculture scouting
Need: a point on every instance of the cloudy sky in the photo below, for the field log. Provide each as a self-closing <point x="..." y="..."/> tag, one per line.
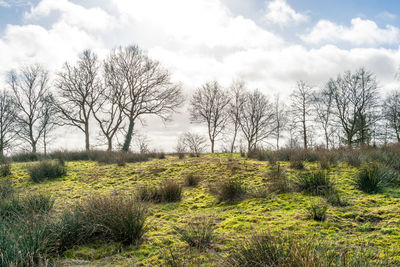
<point x="270" y="44"/>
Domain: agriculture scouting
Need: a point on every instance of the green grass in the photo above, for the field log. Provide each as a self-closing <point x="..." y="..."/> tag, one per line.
<point x="369" y="220"/>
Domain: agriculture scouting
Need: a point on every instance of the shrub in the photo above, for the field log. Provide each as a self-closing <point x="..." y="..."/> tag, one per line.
<point x="229" y="190"/>
<point x="6" y="189"/>
<point x="46" y="170"/>
<point x="170" y="191"/>
<point x="191" y="179"/>
<point x="181" y="155"/>
<point x="316" y="183"/>
<point x="317" y="211"/>
<point x="373" y="178"/>
<point x="198" y="232"/>
<point x="5" y="169"/>
<point x="161" y="155"/>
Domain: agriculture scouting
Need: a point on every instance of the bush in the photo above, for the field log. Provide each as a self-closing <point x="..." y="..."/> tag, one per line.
<point x="6" y="189"/>
<point x="192" y="180"/>
<point x="181" y="155"/>
<point x="373" y="178"/>
<point x="116" y="218"/>
<point x="316" y="183"/>
<point x="198" y="232"/>
<point x="229" y="190"/>
<point x="317" y="211"/>
<point x="5" y="169"/>
<point x="46" y="170"/>
<point x="282" y="251"/>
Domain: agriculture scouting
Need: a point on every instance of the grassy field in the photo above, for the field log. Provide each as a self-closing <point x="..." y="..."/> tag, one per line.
<point x="369" y="222"/>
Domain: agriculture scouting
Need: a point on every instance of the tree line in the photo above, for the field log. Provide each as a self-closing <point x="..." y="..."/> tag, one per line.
<point x="120" y="90"/>
<point x="347" y="111"/>
<point x="115" y="93"/>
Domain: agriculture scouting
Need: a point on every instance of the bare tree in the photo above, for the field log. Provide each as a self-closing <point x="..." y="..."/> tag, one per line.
<point x="50" y="120"/>
<point x="108" y="110"/>
<point x="142" y="143"/>
<point x="146" y="87"/>
<point x="209" y="104"/>
<point x="256" y="119"/>
<point x="238" y="90"/>
<point x="281" y="119"/>
<point x="31" y="87"/>
<point x="391" y="112"/>
<point x="301" y="108"/>
<point x="8" y="115"/>
<point x="79" y="88"/>
<point x="194" y="142"/>
<point x="356" y="100"/>
<point x="324" y="108"/>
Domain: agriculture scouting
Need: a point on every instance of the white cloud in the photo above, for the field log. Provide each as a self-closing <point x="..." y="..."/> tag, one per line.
<point x="4" y="4"/>
<point x="361" y="32"/>
<point x="196" y="40"/>
<point x="386" y="16"/>
<point x="281" y="13"/>
<point x="95" y="19"/>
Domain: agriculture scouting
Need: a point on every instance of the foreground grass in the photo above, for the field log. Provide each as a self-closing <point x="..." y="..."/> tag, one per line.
<point x="370" y="220"/>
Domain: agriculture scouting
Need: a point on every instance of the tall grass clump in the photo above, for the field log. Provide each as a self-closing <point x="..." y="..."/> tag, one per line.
<point x="296" y="164"/>
<point x="170" y="191"/>
<point x="6" y="189"/>
<point x="373" y="178"/>
<point x="5" y="169"/>
<point x="167" y="191"/>
<point x="285" y="251"/>
<point x="29" y="205"/>
<point x="26" y="241"/>
<point x="279" y="179"/>
<point x="47" y="170"/>
<point x="117" y="218"/>
<point x="229" y="190"/>
<point x="192" y="179"/>
<point x="198" y="232"/>
<point x="314" y="182"/>
<point x="317" y="211"/>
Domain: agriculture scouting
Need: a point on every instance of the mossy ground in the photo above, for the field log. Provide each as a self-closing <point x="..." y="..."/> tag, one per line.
<point x="367" y="220"/>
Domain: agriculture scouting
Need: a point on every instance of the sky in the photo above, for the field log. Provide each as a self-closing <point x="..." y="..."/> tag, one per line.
<point x="268" y="43"/>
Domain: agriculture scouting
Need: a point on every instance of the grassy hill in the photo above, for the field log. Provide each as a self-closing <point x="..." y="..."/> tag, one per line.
<point x="269" y="201"/>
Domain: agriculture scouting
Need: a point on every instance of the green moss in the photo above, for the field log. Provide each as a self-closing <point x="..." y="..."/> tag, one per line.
<point x="367" y="219"/>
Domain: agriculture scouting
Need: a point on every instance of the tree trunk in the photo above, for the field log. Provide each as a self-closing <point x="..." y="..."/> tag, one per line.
<point x="128" y="137"/>
<point x="233" y="141"/>
<point x="87" y="144"/>
<point x="33" y="147"/>
<point x="305" y="134"/>
<point x="212" y="145"/>
<point x="109" y="144"/>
